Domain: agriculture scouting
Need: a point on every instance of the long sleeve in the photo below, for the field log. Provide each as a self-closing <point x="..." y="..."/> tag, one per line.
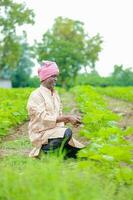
<point x="61" y="108"/>
<point x="40" y="117"/>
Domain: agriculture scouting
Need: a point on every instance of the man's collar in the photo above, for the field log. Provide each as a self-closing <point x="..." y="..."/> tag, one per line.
<point x="44" y="89"/>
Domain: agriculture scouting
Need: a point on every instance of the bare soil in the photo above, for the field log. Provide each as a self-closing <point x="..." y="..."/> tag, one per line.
<point x="125" y="110"/>
<point x="18" y="133"/>
<point x="122" y="108"/>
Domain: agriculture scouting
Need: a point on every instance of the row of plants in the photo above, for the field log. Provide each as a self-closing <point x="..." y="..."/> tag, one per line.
<point x="12" y="108"/>
<point x="50" y="177"/>
<point x="124" y="93"/>
<point x="108" y="145"/>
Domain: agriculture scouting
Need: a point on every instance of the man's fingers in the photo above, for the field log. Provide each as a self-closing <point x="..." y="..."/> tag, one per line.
<point x="78" y="120"/>
<point x="78" y="117"/>
<point x="76" y="125"/>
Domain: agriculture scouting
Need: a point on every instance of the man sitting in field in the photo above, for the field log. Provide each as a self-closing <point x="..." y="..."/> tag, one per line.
<point x="46" y="127"/>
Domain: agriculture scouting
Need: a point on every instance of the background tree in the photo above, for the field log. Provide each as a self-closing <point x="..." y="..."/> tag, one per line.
<point x="92" y="50"/>
<point x="34" y="82"/>
<point x="20" y="75"/>
<point x="121" y="77"/>
<point x="67" y="44"/>
<point x="12" y="15"/>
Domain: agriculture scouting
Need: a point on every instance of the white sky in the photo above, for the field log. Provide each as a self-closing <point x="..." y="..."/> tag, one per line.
<point x="113" y="19"/>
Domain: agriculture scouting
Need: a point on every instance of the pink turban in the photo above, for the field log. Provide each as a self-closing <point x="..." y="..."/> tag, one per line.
<point x="47" y="69"/>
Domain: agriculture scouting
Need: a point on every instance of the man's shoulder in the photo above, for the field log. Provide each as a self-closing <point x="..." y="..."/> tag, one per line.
<point x="35" y="98"/>
<point x="57" y="94"/>
<point x="35" y="94"/>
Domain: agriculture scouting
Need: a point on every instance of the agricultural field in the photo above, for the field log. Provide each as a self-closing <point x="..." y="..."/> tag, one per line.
<point x="120" y="101"/>
<point x="103" y="170"/>
<point x="124" y="93"/>
<point x="12" y="108"/>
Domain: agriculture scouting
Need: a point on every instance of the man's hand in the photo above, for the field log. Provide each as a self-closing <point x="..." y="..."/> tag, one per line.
<point x="73" y="119"/>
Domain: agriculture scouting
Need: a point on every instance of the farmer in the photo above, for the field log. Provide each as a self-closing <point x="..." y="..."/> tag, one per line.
<point x="46" y="127"/>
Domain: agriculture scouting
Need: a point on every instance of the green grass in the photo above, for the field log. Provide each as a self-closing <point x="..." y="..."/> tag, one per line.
<point x="52" y="178"/>
<point x="18" y="144"/>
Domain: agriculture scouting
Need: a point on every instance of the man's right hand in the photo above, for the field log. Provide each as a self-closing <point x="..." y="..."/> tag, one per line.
<point x="73" y="119"/>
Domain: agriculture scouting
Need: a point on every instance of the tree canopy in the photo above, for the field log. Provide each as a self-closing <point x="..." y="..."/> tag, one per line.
<point x="12" y="15"/>
<point x="119" y="77"/>
<point x="68" y="44"/>
<point x="20" y="75"/>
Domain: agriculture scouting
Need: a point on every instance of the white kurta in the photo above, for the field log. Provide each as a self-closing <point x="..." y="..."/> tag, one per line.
<point x="43" y="109"/>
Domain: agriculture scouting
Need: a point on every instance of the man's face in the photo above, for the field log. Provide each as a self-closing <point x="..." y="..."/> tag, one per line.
<point x="51" y="81"/>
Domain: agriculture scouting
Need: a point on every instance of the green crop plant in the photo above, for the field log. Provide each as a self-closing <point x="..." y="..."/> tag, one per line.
<point x="124" y="93"/>
<point x="12" y="108"/>
<point x="100" y="126"/>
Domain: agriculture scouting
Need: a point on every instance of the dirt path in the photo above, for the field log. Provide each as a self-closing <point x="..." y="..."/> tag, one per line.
<point x="122" y="108"/>
<point x="17" y="142"/>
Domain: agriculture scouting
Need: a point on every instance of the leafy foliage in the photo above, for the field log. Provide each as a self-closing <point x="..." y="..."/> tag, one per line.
<point x="107" y="140"/>
<point x="20" y="76"/>
<point x="124" y="93"/>
<point x="68" y="44"/>
<point x="122" y="77"/>
<point x="119" y="77"/>
<point x="12" y="108"/>
<point x="12" y="15"/>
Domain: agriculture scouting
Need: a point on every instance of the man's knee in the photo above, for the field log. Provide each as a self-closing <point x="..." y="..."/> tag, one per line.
<point x="68" y="134"/>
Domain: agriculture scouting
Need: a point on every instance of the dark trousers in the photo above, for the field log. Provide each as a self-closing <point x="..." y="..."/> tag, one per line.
<point x="56" y="143"/>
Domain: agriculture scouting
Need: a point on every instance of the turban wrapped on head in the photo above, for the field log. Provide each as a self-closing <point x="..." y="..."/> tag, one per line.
<point x="47" y="69"/>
